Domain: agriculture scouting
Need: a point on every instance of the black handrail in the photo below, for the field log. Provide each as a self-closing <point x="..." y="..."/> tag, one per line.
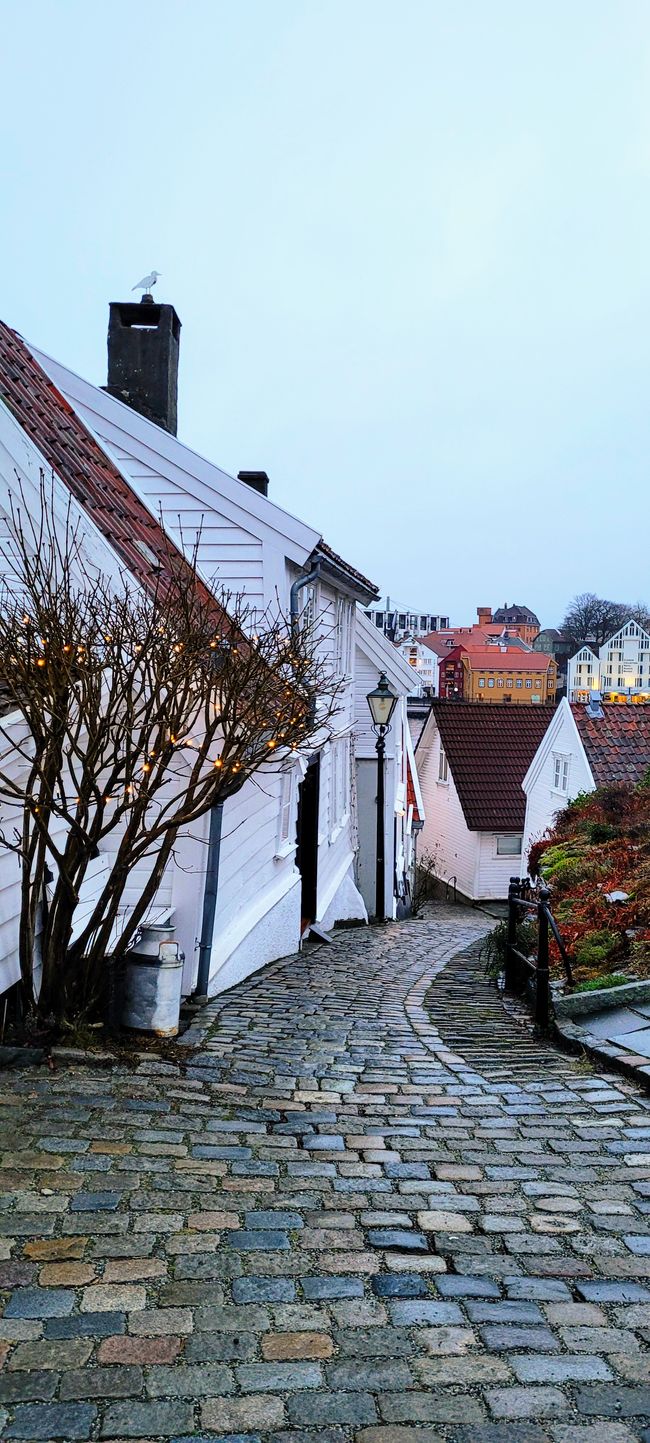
<point x="520" y="899"/>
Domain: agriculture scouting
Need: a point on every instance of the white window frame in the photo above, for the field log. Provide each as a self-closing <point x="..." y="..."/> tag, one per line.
<point x="561" y="770"/>
<point x="344" y="627"/>
<point x="286" y="842"/>
<point x="443" y="768"/>
<point x="502" y="847"/>
<point x="339" y="787"/>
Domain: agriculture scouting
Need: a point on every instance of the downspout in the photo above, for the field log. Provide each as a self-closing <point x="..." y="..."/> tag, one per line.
<point x="300" y="581"/>
<point x="209" y="902"/>
<point x="214" y="840"/>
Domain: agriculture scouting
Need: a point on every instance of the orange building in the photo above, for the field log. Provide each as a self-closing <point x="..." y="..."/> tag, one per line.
<point x="506" y="674"/>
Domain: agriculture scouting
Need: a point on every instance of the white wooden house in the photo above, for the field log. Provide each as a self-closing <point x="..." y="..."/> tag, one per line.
<point x="404" y="809"/>
<point x="616" y="671"/>
<point x="586" y="745"/>
<point x="471" y="761"/>
<point x="288" y="846"/>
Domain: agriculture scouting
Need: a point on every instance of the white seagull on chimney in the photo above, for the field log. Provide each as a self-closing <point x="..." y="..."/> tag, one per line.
<point x="147" y="282"/>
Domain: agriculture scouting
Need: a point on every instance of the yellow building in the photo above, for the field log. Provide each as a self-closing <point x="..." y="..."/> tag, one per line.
<point x="524" y="678"/>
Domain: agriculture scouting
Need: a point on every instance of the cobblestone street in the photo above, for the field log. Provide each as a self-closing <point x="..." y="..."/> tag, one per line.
<point x="369" y="1207"/>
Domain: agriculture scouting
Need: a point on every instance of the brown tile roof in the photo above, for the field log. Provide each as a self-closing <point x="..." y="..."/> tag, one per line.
<point x="79" y="461"/>
<point x="491" y="658"/>
<point x="489" y="750"/>
<point x="618" y="743"/>
<point x="355" y="576"/>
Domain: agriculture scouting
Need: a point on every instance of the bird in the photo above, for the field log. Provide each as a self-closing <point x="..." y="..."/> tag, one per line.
<point x="147" y="282"/>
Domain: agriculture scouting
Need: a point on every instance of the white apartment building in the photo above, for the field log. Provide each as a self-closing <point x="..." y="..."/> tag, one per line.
<point x="425" y="663"/>
<point x="399" y="622"/>
<point x="618" y="670"/>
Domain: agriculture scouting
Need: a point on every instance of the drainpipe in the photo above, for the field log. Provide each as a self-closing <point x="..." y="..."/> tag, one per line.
<point x="300" y="581"/>
<point x="209" y="902"/>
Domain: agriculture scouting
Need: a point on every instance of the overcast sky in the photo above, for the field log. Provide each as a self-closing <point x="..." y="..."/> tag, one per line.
<point x="409" y="243"/>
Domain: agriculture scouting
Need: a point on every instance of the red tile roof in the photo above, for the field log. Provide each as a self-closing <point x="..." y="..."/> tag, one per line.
<point x="493" y="659"/>
<point x="618" y="743"/>
<point x="82" y="465"/>
<point x="489" y="750"/>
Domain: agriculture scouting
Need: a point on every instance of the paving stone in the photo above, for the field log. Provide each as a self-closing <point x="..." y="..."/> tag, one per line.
<point x="37" y="1303"/>
<point x="278" y="1377"/>
<point x="564" y="1369"/>
<point x="406" y="1314"/>
<point x="333" y="1287"/>
<point x="189" y="1381"/>
<point x="430" y="1407"/>
<point x="51" y="1420"/>
<point x="296" y="1345"/>
<point x="610" y="1401"/>
<point x="403" y="1239"/>
<point x="263" y="1290"/>
<point x="87" y="1325"/>
<point x="144" y="1420"/>
<point x="231" y="1415"/>
<point x="526" y="1402"/>
<point x="92" y="1383"/>
<point x="386" y="1285"/>
<point x="348" y="1409"/>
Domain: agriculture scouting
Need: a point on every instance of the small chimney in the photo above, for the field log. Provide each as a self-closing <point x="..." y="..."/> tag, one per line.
<point x="257" y="479"/>
<point x="484" y="614"/>
<point x="143" y="347"/>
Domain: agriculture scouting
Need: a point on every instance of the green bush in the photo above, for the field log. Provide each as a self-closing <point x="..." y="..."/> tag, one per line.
<point x="611" y="979"/>
<point x="602" y="832"/>
<point x="595" y="947"/>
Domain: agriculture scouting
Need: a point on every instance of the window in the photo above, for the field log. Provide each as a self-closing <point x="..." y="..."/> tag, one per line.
<point x="481" y="681"/>
<point x="443" y="768"/>
<point x="529" y="681"/>
<point x="499" y="681"/>
<point x="509" y="846"/>
<point x="309" y="604"/>
<point x="560" y="773"/>
<point x="509" y="681"/>
<point x="343" y="636"/>
<point x="491" y="681"/>
<point x="339" y="783"/>
<point x="285" y="842"/>
<point x="519" y="681"/>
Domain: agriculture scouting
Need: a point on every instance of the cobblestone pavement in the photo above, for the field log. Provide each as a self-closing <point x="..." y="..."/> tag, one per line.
<point x="330" y="1223"/>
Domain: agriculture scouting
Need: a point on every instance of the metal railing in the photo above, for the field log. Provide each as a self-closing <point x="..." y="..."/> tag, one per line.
<point x="523" y="901"/>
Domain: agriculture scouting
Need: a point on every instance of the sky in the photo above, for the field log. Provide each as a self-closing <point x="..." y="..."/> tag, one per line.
<point x="409" y="244"/>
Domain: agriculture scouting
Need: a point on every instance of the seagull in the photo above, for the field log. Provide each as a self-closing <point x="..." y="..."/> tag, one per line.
<point x="147" y="282"/>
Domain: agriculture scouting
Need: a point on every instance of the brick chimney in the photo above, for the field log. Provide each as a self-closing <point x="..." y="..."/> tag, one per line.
<point x="484" y="614"/>
<point x="143" y="349"/>
<point x="258" y="480"/>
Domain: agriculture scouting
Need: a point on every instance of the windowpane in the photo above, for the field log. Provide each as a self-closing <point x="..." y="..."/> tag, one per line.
<point x="509" y="846"/>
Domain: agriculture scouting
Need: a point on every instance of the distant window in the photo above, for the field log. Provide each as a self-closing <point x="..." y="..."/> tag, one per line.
<point x="499" y="681"/>
<point x="339" y="782"/>
<point x="379" y="620"/>
<point x="529" y="681"/>
<point x="344" y="627"/>
<point x="423" y="623"/>
<point x="519" y="681"/>
<point x="401" y="620"/>
<point x="481" y="681"/>
<point x="509" y="681"/>
<point x="508" y="846"/>
<point x="491" y="681"/>
<point x="443" y="769"/>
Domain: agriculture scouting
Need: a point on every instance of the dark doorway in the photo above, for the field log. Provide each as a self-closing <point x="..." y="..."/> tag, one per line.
<point x="307" y="841"/>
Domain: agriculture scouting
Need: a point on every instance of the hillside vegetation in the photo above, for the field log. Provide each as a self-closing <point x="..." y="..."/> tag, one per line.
<point x="596" y="860"/>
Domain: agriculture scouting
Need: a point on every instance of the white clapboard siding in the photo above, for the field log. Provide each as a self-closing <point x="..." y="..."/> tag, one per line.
<point x="446" y="837"/>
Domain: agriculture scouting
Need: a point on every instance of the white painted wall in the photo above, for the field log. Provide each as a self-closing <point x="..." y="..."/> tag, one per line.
<point x="543" y="799"/>
<point x="446" y="836"/>
<point x="252" y="546"/>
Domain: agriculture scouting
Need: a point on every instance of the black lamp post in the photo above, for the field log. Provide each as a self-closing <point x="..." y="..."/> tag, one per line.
<point x="382" y="702"/>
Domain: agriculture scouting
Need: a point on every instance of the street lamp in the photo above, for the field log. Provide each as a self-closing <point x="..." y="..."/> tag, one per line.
<point x="382" y="702"/>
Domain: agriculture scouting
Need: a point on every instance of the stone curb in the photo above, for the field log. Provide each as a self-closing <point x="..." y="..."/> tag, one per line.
<point x="572" y="1036"/>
